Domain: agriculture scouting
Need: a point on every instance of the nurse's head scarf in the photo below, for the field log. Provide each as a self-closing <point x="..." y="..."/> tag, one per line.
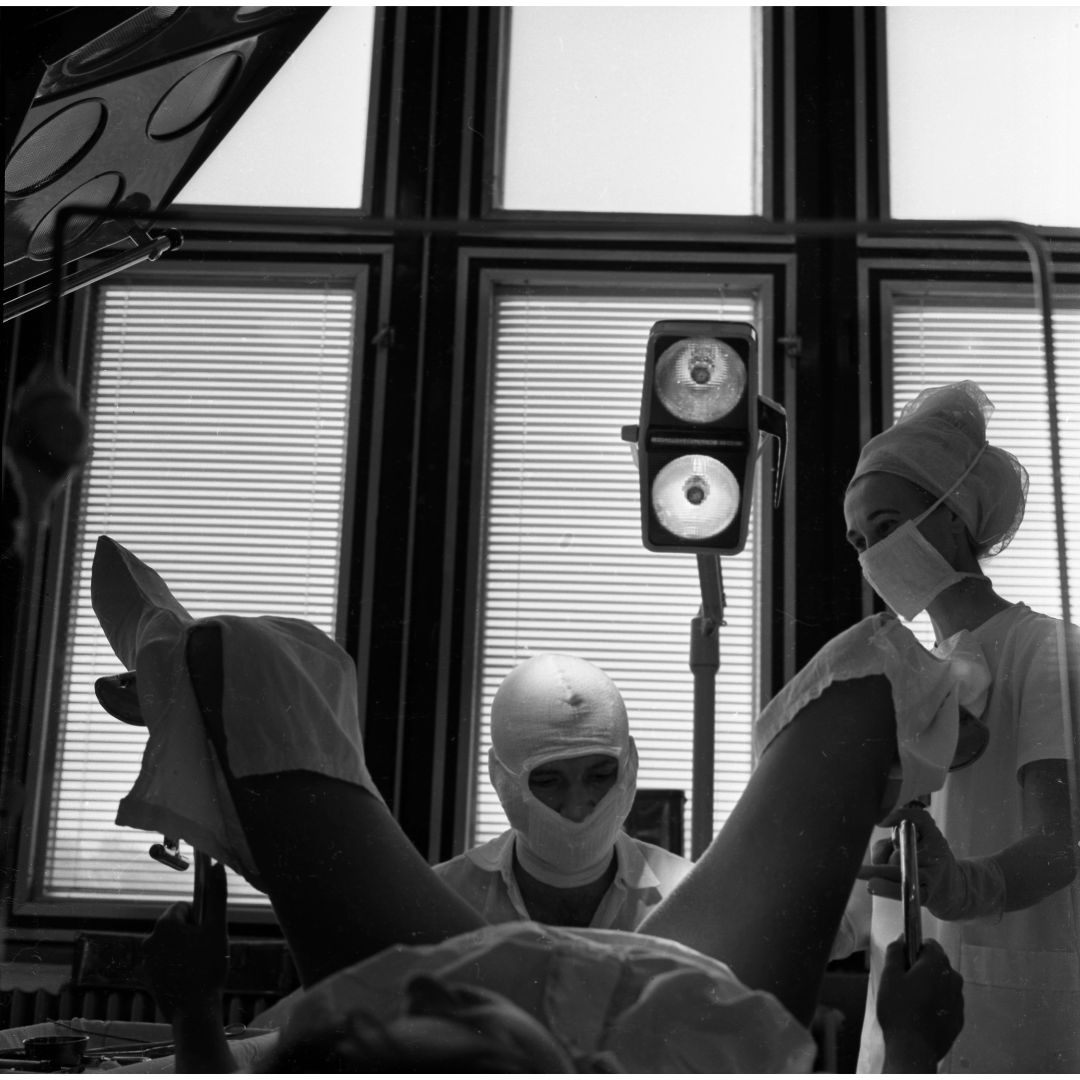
<point x="934" y="441"/>
<point x="549" y="708"/>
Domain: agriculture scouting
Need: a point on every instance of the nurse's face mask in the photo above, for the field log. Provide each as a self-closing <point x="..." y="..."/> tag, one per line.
<point x="906" y="570"/>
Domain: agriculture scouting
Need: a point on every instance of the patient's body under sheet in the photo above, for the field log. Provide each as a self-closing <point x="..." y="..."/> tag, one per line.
<point x="653" y="1004"/>
<point x="928" y="691"/>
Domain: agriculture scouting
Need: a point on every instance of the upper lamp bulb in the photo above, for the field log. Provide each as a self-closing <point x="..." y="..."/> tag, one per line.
<point x="700" y="379"/>
<point x="695" y="497"/>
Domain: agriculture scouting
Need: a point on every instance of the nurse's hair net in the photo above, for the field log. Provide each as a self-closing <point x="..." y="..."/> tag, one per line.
<point x="554" y="706"/>
<point x="934" y="440"/>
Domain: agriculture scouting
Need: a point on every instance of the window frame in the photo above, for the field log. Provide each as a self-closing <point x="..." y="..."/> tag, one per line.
<point x="768" y="128"/>
<point x="44" y="720"/>
<point x="431" y="130"/>
<point x="766" y="275"/>
<point x="320" y="216"/>
<point x="872" y="106"/>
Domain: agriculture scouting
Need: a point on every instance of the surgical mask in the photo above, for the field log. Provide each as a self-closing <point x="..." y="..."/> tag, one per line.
<point x="906" y="570"/>
<point x="552" y="848"/>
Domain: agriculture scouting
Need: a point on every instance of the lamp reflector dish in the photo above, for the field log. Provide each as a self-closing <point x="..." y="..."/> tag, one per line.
<point x="695" y="497"/>
<point x="700" y="379"/>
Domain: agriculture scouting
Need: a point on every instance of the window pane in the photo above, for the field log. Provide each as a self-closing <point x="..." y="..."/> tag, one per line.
<point x="219" y="420"/>
<point x="984" y="113"/>
<point x="302" y="141"/>
<point x="997" y="342"/>
<point x="632" y="109"/>
<point x="565" y="568"/>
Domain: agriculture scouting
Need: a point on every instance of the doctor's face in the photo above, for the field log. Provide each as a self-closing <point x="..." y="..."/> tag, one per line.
<point x="573" y="786"/>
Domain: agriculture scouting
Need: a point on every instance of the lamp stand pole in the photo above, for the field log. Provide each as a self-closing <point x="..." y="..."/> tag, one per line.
<point x="704" y="664"/>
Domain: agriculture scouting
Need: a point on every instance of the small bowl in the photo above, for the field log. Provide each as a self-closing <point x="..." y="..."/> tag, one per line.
<point x="63" y="1050"/>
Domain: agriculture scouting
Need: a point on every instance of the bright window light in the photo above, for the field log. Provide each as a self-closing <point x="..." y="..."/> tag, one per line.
<point x="632" y="109"/>
<point x="302" y="141"/>
<point x="984" y="113"/>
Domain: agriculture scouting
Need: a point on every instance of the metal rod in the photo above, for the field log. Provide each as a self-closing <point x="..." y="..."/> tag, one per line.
<point x="1042" y="271"/>
<point x="906" y="843"/>
<point x="703" y="227"/>
<point x="40" y="297"/>
<point x="704" y="664"/>
<point x="198" y="905"/>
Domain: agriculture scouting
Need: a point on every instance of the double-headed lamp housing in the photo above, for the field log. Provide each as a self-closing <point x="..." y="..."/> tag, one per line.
<point x="697" y="440"/>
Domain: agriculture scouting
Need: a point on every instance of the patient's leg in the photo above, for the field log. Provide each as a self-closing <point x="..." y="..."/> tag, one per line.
<point x="768" y="894"/>
<point x="344" y="879"/>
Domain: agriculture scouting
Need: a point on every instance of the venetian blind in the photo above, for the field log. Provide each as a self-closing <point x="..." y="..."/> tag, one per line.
<point x="997" y="342"/>
<point x="219" y="419"/>
<point x="564" y="566"/>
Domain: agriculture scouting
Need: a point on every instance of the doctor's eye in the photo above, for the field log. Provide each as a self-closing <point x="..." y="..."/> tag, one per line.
<point x="544" y="780"/>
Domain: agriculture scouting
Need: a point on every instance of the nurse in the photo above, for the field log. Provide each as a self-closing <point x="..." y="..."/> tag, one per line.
<point x="564" y="766"/>
<point x="929" y="499"/>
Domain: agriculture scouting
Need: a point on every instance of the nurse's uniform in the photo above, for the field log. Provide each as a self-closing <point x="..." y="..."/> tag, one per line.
<point x="1022" y="970"/>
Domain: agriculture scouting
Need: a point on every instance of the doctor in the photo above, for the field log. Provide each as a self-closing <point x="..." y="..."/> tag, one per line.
<point x="564" y="766"/>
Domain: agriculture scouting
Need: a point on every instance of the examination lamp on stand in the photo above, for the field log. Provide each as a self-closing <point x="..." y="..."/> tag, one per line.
<point x="696" y="448"/>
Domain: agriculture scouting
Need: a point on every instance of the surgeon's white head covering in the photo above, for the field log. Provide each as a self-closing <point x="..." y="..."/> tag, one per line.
<point x="549" y="708"/>
<point x="936" y="438"/>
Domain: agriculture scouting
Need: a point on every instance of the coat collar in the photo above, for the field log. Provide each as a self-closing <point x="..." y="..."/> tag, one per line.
<point x="497" y="856"/>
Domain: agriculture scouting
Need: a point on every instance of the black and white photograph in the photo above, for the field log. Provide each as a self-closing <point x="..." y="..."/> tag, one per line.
<point x="540" y="539"/>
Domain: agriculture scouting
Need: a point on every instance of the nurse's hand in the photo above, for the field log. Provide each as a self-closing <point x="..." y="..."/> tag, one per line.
<point x="921" y="1010"/>
<point x="942" y="886"/>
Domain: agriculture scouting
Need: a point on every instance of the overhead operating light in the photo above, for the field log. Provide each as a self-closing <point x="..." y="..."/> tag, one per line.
<point x="121" y="124"/>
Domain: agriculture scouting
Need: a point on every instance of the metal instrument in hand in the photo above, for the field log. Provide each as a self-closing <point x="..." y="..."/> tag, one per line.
<point x="905" y="839"/>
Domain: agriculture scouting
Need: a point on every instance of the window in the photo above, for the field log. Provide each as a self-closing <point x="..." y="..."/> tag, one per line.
<point x="303" y="141"/>
<point x="939" y="335"/>
<point x="632" y="110"/>
<point x="984" y="113"/>
<point x="219" y="439"/>
<point x="565" y="569"/>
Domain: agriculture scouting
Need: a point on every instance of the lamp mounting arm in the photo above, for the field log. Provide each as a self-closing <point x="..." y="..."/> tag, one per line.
<point x="772" y="422"/>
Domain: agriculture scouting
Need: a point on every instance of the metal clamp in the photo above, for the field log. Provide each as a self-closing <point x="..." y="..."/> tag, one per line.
<point x="168" y="853"/>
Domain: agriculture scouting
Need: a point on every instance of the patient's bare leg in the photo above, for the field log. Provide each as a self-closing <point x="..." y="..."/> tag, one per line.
<point x="344" y="879"/>
<point x="768" y="894"/>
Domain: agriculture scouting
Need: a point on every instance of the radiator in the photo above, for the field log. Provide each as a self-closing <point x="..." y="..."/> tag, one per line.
<point x="19" y="1008"/>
